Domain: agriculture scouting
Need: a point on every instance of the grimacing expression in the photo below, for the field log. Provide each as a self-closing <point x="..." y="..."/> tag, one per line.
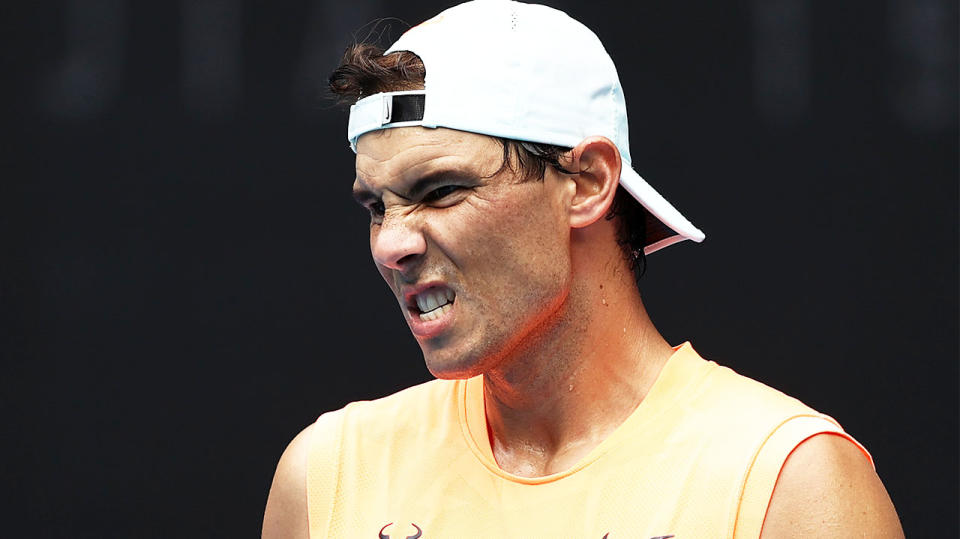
<point x="478" y="260"/>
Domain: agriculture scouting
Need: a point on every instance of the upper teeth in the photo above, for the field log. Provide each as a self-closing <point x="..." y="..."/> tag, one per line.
<point x="429" y="300"/>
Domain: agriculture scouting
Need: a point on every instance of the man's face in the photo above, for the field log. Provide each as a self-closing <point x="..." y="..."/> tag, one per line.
<point x="478" y="260"/>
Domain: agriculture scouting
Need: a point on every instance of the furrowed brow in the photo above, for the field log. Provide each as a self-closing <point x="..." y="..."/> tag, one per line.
<point x="362" y="195"/>
<point x="418" y="188"/>
<point x="427" y="183"/>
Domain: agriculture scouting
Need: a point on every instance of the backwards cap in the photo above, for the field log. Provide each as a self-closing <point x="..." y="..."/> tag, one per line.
<point x="519" y="71"/>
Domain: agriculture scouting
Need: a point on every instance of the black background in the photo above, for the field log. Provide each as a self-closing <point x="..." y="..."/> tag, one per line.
<point x="185" y="281"/>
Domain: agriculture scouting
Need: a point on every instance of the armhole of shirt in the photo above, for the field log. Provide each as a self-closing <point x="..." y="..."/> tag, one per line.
<point x="323" y="471"/>
<point x="761" y="477"/>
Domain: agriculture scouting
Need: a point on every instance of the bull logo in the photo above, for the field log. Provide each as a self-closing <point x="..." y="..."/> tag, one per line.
<point x="607" y="535"/>
<point x="417" y="535"/>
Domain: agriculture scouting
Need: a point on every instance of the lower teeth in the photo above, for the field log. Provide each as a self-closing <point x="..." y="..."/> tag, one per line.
<point x="434" y="314"/>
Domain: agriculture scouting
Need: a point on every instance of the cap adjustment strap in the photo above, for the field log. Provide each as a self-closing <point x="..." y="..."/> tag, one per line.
<point x="381" y="111"/>
<point x="403" y="108"/>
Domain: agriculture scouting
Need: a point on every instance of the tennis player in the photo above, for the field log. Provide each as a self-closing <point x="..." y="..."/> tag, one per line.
<point x="508" y="221"/>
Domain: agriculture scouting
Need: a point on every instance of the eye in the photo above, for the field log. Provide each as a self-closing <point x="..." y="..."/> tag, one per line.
<point x="376" y="209"/>
<point x="441" y="192"/>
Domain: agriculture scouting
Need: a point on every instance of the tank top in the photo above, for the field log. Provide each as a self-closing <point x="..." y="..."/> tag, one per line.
<point x="699" y="457"/>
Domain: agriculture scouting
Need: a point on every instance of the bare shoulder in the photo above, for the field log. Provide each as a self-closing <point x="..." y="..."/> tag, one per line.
<point x="286" y="512"/>
<point x="827" y="488"/>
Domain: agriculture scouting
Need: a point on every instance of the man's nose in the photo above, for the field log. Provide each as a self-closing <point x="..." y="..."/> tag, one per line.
<point x="398" y="243"/>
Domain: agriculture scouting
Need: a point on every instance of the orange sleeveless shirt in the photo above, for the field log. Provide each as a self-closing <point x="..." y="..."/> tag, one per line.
<point x="699" y="457"/>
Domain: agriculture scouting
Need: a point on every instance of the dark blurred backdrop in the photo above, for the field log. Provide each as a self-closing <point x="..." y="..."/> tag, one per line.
<point x="185" y="281"/>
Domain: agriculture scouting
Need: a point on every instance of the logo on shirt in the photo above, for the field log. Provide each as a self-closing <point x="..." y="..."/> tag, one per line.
<point x="383" y="535"/>
<point x="419" y="532"/>
<point x="607" y="535"/>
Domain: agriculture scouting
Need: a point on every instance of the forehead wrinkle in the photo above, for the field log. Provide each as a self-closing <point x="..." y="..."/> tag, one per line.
<point x="387" y="161"/>
<point x="427" y="137"/>
<point x="365" y="160"/>
<point x="401" y="172"/>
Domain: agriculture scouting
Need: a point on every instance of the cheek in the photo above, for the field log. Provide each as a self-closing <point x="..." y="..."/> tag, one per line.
<point x="515" y="249"/>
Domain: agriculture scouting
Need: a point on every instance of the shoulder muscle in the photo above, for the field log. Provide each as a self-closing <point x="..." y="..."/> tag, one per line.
<point x="827" y="488"/>
<point x="286" y="512"/>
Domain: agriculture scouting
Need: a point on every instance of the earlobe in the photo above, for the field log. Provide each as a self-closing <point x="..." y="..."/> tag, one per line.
<point x="597" y="162"/>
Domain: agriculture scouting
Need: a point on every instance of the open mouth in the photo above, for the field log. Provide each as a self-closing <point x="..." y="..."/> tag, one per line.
<point x="433" y="303"/>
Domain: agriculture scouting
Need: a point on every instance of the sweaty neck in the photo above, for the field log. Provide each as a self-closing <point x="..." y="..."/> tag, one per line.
<point x="563" y="392"/>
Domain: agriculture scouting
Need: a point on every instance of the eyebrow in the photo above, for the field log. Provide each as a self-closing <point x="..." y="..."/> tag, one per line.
<point x="427" y="183"/>
<point x="420" y="186"/>
<point x="362" y="195"/>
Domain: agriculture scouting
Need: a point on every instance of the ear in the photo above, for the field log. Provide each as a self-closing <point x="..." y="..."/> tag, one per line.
<point x="597" y="163"/>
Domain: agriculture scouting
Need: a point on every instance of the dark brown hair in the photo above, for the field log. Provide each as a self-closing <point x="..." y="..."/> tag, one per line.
<point x="364" y="71"/>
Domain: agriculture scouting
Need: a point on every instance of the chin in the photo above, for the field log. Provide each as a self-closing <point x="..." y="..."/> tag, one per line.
<point x="450" y="364"/>
<point x="452" y="369"/>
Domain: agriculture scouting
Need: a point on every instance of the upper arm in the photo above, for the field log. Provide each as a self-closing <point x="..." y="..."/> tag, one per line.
<point x="827" y="488"/>
<point x="286" y="512"/>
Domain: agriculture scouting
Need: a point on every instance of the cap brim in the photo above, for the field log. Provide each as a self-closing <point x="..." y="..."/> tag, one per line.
<point x="674" y="227"/>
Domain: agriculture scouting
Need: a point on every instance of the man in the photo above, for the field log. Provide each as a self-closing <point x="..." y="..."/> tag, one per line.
<point x="492" y="153"/>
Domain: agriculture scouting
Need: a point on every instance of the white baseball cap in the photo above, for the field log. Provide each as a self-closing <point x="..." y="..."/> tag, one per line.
<point x="518" y="71"/>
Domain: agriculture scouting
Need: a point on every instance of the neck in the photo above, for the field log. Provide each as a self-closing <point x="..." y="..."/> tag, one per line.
<point x="568" y="388"/>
